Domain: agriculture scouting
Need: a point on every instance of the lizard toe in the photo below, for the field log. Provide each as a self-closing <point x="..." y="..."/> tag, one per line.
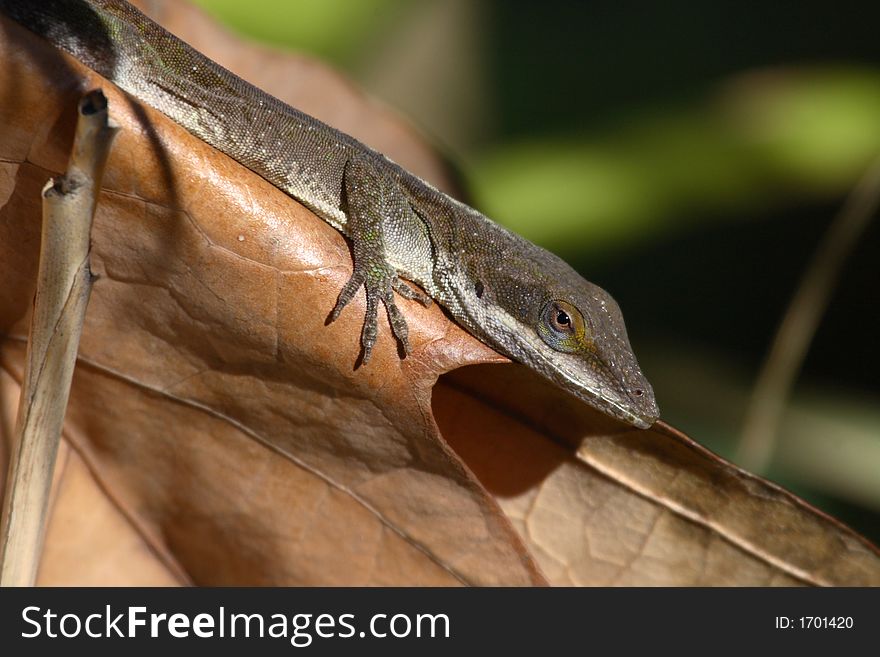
<point x="408" y="292"/>
<point x="371" y="327"/>
<point x="398" y="323"/>
<point x="346" y="294"/>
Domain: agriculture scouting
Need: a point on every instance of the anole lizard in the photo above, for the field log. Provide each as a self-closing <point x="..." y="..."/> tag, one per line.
<point x="511" y="294"/>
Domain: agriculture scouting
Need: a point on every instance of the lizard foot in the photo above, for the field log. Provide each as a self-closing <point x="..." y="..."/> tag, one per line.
<point x="380" y="286"/>
<point x="372" y="197"/>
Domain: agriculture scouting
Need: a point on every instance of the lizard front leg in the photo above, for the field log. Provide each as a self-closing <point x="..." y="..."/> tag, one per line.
<point x="372" y="201"/>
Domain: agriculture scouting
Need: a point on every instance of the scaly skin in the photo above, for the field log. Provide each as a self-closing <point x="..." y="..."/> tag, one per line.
<point x="516" y="297"/>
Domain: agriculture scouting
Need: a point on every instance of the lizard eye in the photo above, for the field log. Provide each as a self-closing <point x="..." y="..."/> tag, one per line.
<point x="562" y="327"/>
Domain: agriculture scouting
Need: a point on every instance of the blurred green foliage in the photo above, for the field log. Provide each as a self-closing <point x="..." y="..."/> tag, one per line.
<point x="807" y="135"/>
<point x="335" y="30"/>
<point x="688" y="156"/>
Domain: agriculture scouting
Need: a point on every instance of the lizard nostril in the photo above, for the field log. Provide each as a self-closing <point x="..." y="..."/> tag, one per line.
<point x="638" y="392"/>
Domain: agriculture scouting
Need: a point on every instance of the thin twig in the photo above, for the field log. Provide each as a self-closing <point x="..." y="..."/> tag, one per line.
<point x="799" y="324"/>
<point x="63" y="286"/>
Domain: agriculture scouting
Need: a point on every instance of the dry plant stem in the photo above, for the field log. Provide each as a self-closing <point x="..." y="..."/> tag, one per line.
<point x="792" y="341"/>
<point x="63" y="287"/>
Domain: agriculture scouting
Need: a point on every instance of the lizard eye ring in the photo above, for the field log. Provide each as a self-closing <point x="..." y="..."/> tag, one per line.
<point x="562" y="326"/>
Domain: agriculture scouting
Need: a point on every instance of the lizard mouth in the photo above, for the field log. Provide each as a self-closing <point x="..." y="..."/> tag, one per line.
<point x="613" y="406"/>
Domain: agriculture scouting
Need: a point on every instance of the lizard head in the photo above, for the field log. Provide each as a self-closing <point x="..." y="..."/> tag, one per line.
<point x="583" y="345"/>
<point x="541" y="312"/>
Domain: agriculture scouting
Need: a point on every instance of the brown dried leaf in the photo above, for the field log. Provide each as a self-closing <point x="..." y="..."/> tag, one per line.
<point x="602" y="504"/>
<point x="220" y="434"/>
